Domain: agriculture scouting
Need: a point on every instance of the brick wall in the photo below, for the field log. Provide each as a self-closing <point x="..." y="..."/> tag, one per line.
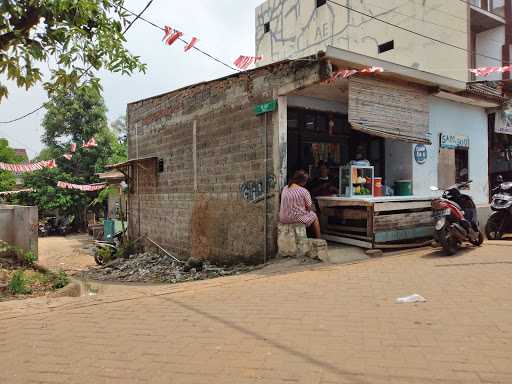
<point x="195" y="207"/>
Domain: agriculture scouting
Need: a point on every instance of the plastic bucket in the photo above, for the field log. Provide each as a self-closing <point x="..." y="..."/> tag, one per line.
<point x="377" y="186"/>
<point x="403" y="188"/>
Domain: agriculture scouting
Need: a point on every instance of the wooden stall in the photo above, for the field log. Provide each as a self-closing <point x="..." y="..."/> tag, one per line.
<point x="377" y="222"/>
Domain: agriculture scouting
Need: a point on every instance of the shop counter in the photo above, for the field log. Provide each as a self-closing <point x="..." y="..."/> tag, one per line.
<point x="377" y="222"/>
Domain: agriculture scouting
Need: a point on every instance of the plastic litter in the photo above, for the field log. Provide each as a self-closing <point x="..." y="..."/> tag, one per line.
<point x="411" y="299"/>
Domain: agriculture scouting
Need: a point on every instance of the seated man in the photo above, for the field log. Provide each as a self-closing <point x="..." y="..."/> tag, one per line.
<point x="323" y="185"/>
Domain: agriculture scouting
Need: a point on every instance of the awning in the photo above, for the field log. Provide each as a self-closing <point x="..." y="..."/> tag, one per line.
<point x="375" y="131"/>
<point x="131" y="162"/>
<point x="113" y="175"/>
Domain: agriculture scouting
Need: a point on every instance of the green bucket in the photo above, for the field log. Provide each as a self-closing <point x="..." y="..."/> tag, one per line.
<point x="403" y="188"/>
<point x="108" y="229"/>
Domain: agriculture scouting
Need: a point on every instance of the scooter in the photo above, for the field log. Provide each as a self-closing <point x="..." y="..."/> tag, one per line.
<point x="105" y="249"/>
<point x="500" y="222"/>
<point x="455" y="219"/>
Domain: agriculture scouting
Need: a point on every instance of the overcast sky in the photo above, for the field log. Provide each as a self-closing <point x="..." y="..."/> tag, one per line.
<point x="225" y="29"/>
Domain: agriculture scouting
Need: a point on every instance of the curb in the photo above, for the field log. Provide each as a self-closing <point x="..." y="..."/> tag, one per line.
<point x="73" y="289"/>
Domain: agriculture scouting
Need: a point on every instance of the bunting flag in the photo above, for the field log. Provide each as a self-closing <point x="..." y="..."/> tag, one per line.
<point x="72" y="147"/>
<point x="486" y="71"/>
<point x="81" y="187"/>
<point x="91" y="143"/>
<point x="6" y="193"/>
<point x="31" y="167"/>
<point x="191" y="44"/>
<point x="346" y="73"/>
<point x="244" y="62"/>
<point x="67" y="156"/>
<point x="171" y="35"/>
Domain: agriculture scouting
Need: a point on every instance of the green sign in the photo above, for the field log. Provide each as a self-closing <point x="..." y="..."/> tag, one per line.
<point x="265" y="107"/>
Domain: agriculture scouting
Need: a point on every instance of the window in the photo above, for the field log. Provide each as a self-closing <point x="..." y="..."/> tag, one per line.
<point x="319" y="3"/>
<point x="387" y="46"/>
<point x="461" y="165"/>
<point x="266" y="27"/>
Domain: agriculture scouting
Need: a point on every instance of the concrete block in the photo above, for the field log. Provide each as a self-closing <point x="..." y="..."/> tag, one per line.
<point x="341" y="254"/>
<point x="292" y="240"/>
<point x="318" y="249"/>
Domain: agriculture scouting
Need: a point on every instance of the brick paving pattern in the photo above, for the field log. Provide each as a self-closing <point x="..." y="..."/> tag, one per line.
<point x="315" y="324"/>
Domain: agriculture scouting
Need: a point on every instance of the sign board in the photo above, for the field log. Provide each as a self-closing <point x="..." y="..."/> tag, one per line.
<point x="505" y="126"/>
<point x="265" y="107"/>
<point x="420" y="153"/>
<point x="449" y="141"/>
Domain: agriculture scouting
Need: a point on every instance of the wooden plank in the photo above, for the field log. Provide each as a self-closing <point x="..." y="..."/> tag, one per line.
<point x="346" y="228"/>
<point x="403" y="234"/>
<point x="404" y="245"/>
<point x="346" y="213"/>
<point x="399" y="206"/>
<point x="370" y="222"/>
<point x="403" y="220"/>
<point x="343" y="203"/>
<point x="446" y="168"/>
<point x="349" y="235"/>
<point x="346" y="240"/>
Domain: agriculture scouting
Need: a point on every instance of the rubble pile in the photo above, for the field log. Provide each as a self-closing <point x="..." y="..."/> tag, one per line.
<point x="151" y="267"/>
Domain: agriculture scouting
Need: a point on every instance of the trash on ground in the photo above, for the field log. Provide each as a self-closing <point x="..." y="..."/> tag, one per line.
<point x="411" y="299"/>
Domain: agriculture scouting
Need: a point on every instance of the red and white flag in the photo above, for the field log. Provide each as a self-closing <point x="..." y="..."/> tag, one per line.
<point x="30" y="167"/>
<point x="486" y="71"/>
<point x="191" y="43"/>
<point x="244" y="62"/>
<point x="68" y="156"/>
<point x="372" y="70"/>
<point x="346" y="73"/>
<point x="81" y="187"/>
<point x="91" y="143"/>
<point x="72" y="147"/>
<point x="171" y="35"/>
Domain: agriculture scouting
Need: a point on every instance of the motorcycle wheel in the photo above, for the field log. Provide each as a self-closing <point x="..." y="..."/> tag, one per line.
<point x="479" y="241"/>
<point x="98" y="258"/>
<point x="449" y="244"/>
<point x="492" y="227"/>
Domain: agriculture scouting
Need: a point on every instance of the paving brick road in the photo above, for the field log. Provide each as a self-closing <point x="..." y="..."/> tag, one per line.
<point x="312" y="324"/>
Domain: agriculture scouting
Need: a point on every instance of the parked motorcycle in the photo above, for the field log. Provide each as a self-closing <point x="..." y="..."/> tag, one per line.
<point x="455" y="219"/>
<point x="105" y="249"/>
<point x="500" y="222"/>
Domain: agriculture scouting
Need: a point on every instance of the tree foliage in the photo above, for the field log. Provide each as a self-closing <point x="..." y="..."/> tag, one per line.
<point x="73" y="117"/>
<point x="7" y="155"/>
<point x="76" y="35"/>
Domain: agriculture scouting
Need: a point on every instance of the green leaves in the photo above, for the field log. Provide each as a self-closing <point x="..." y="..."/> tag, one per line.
<point x="76" y="34"/>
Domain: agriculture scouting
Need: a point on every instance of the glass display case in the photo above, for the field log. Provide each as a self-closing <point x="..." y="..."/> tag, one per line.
<point x="356" y="181"/>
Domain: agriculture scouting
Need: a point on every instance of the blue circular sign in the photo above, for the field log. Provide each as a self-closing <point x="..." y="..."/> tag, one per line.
<point x="420" y="153"/>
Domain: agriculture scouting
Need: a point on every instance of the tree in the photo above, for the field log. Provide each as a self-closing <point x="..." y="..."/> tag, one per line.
<point x="7" y="155"/>
<point x="78" y="35"/>
<point x="73" y="117"/>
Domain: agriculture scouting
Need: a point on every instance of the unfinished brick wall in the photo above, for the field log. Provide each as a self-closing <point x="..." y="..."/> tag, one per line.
<point x="211" y="143"/>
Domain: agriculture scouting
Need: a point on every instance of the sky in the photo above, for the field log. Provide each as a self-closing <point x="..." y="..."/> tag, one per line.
<point x="225" y="29"/>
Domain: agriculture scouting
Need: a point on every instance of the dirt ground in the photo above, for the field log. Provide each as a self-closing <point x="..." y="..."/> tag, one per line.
<point x="71" y="253"/>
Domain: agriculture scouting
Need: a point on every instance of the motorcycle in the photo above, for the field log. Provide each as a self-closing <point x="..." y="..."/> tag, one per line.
<point x="106" y="249"/>
<point x="455" y="219"/>
<point x="500" y="222"/>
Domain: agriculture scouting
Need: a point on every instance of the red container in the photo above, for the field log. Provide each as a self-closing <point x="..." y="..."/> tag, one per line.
<point x="377" y="187"/>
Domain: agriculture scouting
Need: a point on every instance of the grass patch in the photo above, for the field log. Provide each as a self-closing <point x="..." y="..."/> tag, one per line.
<point x="19" y="284"/>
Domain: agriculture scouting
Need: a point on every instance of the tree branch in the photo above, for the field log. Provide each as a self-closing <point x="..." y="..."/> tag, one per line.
<point x="29" y="20"/>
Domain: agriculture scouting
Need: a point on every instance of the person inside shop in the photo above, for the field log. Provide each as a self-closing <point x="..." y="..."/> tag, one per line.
<point x="323" y="185"/>
<point x="296" y="204"/>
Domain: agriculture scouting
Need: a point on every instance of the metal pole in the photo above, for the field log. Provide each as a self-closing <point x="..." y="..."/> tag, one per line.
<point x="137" y="165"/>
<point x="265" y="191"/>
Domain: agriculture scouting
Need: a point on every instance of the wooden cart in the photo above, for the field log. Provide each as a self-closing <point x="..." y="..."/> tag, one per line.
<point x="377" y="222"/>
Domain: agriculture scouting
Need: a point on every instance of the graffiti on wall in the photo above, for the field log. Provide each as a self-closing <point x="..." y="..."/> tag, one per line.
<point x="253" y="191"/>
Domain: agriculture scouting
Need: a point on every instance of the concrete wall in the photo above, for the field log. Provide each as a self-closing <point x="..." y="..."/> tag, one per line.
<point x="490" y="43"/>
<point x="19" y="225"/>
<point x="298" y="28"/>
<point x="455" y="118"/>
<point x="213" y="147"/>
<point x="398" y="161"/>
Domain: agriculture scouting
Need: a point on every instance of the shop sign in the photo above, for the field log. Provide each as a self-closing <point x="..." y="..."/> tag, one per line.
<point x="420" y="153"/>
<point x="449" y="141"/>
<point x="266" y="107"/>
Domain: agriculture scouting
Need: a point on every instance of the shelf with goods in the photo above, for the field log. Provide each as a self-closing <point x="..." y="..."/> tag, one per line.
<point x="356" y="180"/>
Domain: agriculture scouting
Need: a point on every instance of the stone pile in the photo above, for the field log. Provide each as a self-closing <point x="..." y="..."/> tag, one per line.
<point x="151" y="267"/>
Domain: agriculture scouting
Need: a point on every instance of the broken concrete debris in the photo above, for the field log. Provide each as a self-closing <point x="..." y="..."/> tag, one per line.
<point x="150" y="267"/>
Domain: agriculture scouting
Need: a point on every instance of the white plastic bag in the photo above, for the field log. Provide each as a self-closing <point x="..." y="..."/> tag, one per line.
<point x="411" y="299"/>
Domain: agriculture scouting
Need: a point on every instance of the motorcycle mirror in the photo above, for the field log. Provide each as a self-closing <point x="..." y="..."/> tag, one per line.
<point x="433" y="189"/>
<point x="499" y="179"/>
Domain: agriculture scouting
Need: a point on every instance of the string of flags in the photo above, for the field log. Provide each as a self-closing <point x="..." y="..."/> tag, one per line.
<point x="346" y="73"/>
<point x="244" y="62"/>
<point x="81" y="187"/>
<point x="32" y="167"/>
<point x="486" y="71"/>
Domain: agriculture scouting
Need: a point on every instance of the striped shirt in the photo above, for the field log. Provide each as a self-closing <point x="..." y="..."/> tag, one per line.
<point x="296" y="206"/>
